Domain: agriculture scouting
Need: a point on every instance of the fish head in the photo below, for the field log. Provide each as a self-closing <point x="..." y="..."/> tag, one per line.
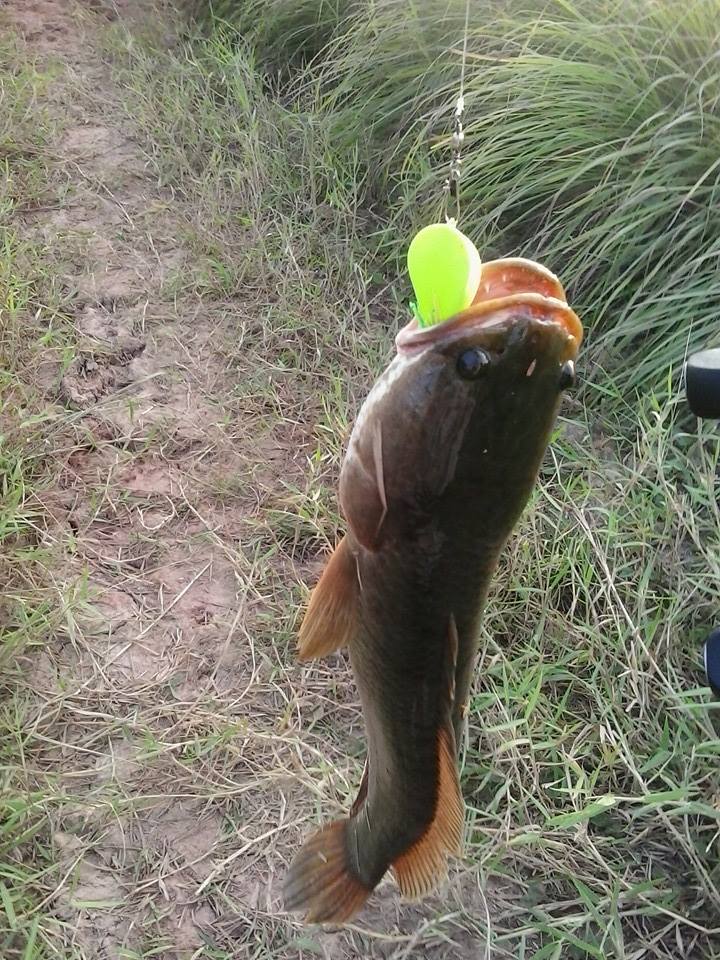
<point x="465" y="410"/>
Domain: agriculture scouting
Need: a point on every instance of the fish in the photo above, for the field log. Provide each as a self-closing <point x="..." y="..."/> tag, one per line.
<point x="439" y="466"/>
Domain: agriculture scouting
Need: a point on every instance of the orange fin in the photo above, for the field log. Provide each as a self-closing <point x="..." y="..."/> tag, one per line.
<point x="420" y="869"/>
<point x="330" y="619"/>
<point x="320" y="881"/>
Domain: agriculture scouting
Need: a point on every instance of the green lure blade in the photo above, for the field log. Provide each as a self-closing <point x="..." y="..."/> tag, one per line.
<point x="444" y="267"/>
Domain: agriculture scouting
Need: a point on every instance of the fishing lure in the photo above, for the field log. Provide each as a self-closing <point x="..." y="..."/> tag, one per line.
<point x="444" y="267"/>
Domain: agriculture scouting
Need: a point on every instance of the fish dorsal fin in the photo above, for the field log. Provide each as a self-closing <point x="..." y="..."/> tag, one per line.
<point x="332" y="612"/>
<point x="421" y="868"/>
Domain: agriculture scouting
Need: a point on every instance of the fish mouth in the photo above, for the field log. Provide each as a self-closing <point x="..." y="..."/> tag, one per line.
<point x="505" y="286"/>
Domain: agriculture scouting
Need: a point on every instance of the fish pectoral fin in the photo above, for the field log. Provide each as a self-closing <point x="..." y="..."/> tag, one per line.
<point x="423" y="866"/>
<point x="332" y="612"/>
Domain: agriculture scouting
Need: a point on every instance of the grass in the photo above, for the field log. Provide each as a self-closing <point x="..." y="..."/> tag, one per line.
<point x="595" y="717"/>
<point x="590" y="773"/>
<point x="592" y="136"/>
<point x="284" y="36"/>
<point x="32" y="610"/>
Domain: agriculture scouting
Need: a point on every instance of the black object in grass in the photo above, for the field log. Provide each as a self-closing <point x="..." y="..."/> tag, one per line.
<point x="712" y="661"/>
<point x="702" y="376"/>
<point x="702" y="380"/>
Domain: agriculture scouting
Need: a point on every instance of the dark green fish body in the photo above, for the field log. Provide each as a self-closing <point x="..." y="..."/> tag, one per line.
<point x="440" y="464"/>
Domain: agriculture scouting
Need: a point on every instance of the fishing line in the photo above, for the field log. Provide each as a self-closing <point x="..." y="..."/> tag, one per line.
<point x="443" y="263"/>
<point x="451" y="186"/>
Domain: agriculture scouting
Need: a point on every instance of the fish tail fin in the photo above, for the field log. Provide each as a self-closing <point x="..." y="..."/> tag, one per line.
<point x="321" y="881"/>
<point x="331" y="615"/>
<point x="422" y="867"/>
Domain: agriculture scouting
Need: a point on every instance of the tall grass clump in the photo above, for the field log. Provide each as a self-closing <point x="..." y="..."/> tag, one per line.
<point x="592" y="143"/>
<point x="284" y="35"/>
<point x="277" y="208"/>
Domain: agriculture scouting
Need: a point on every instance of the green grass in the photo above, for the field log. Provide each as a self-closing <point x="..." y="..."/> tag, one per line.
<point x="284" y="36"/>
<point x="271" y="207"/>
<point x="32" y="330"/>
<point x="592" y="137"/>
<point x="603" y="789"/>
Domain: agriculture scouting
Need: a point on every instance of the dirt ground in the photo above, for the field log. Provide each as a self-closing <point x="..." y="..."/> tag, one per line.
<point x="189" y="752"/>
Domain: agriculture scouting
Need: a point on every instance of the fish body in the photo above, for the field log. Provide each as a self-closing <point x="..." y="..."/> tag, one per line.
<point x="440" y="464"/>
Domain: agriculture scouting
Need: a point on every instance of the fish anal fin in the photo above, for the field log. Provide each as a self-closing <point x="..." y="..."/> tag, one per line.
<point x="329" y="622"/>
<point x="321" y="883"/>
<point x="422" y="867"/>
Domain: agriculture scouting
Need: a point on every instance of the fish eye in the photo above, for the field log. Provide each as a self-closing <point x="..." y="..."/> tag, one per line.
<point x="567" y="375"/>
<point x="470" y="363"/>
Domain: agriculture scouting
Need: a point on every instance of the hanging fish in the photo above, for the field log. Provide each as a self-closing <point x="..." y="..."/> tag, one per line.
<point x="440" y="464"/>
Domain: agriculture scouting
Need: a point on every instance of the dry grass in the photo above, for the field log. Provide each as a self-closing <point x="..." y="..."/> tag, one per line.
<point x="219" y="321"/>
